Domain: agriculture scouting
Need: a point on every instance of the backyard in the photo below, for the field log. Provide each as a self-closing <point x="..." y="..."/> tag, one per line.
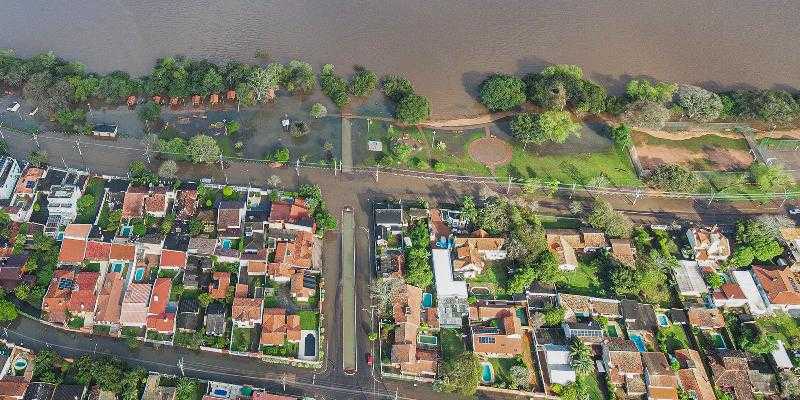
<point x="309" y="320"/>
<point x="89" y="203"/>
<point x="584" y="280"/>
<point x="241" y="339"/>
<point x="672" y="338"/>
<point x="451" y="342"/>
<point x="493" y="277"/>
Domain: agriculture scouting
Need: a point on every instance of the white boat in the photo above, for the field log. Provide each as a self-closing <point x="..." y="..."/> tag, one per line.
<point x="35" y="110"/>
<point x="13" y="107"/>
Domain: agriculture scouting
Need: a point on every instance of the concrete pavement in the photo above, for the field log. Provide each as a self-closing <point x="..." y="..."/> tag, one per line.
<point x="348" y="285"/>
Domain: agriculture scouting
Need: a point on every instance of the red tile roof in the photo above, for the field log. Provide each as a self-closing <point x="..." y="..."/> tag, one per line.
<point x="77" y="231"/>
<point x="781" y="285"/>
<point x="246" y="310"/>
<point x="277" y="326"/>
<point x="173" y="258"/>
<point x="123" y="252"/>
<point x="256" y="268"/>
<point x="109" y="302"/>
<point x="220" y="281"/>
<point x="97" y="251"/>
<point x="162" y="323"/>
<point x="55" y="300"/>
<point x="160" y="296"/>
<point x="72" y="251"/>
<point x="83" y="297"/>
<point x="26" y="182"/>
<point x="156" y="202"/>
<point x="133" y="202"/>
<point x="187" y="201"/>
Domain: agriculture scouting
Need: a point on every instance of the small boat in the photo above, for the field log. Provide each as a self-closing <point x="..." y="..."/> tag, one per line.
<point x="35" y="110"/>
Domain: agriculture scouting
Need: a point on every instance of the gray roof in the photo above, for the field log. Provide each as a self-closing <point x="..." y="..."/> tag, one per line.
<point x="392" y="216"/>
<point x="638" y="316"/>
<point x="215" y="319"/>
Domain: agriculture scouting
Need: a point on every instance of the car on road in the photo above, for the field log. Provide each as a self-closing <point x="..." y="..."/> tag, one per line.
<point x="794" y="211"/>
<point x="13" y="107"/>
<point x="370" y="359"/>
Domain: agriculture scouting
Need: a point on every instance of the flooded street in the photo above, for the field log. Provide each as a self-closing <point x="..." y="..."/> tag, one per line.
<point x="445" y="47"/>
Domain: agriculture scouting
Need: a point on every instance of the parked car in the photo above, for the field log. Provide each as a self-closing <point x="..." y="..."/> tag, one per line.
<point x="794" y="211"/>
<point x="13" y="107"/>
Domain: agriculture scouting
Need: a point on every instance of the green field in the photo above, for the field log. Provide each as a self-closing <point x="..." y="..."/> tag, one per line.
<point x="584" y="280"/>
<point x="571" y="168"/>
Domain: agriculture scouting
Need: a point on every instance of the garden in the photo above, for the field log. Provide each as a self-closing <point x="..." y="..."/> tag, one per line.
<point x="241" y="339"/>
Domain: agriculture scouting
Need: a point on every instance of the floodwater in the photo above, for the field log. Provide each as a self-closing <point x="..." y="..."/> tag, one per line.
<point x="446" y="47"/>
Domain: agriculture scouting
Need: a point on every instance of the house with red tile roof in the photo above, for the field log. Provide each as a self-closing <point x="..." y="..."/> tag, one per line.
<point x="186" y="204"/>
<point x="623" y="363"/>
<point x="256" y="268"/>
<point x="54" y="303"/>
<point x="278" y="327"/>
<point x="692" y="375"/>
<point x="13" y="387"/>
<point x="780" y="287"/>
<point x="20" y="207"/>
<point x="97" y="251"/>
<point x="159" y="317"/>
<point x="730" y="294"/>
<point x="406" y="355"/>
<point x="503" y="339"/>
<point x="109" y="301"/>
<point x="706" y="318"/>
<point x="133" y="202"/>
<point x="230" y="217"/>
<point x="662" y="383"/>
<point x="709" y="245"/>
<point x="83" y="297"/>
<point x="77" y="231"/>
<point x="72" y="251"/>
<point x="134" y="309"/>
<point x="220" y="281"/>
<point x="292" y="216"/>
<point x="121" y="256"/>
<point x="157" y="201"/>
<point x="303" y="286"/>
<point x="293" y="255"/>
<point x="730" y="373"/>
<point x="173" y="259"/>
<point x="246" y="312"/>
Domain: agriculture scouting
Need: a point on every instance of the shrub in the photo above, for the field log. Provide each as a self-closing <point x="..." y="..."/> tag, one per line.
<point x="363" y="83"/>
<point x="672" y="178"/>
<point x="439" y="166"/>
<point x="318" y="111"/>
<point x="334" y="86"/>
<point x="640" y="89"/>
<point x="502" y="92"/>
<point x="646" y="114"/>
<point x="280" y="155"/>
<point x="299" y="129"/>
<point x="232" y="127"/>
<point x="699" y="104"/>
<point x="622" y="137"/>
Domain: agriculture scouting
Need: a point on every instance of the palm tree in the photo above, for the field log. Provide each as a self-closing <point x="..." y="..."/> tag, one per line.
<point x="581" y="357"/>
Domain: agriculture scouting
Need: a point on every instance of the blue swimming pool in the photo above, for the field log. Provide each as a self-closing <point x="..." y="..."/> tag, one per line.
<point x="639" y="342"/>
<point x="220" y="392"/>
<point x="662" y="320"/>
<point x="427" y="300"/>
<point x="138" y="275"/>
<point x="226" y="244"/>
<point x="487" y="374"/>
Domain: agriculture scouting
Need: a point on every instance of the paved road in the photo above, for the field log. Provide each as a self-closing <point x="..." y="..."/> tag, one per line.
<point x="356" y="190"/>
<point x="348" y="285"/>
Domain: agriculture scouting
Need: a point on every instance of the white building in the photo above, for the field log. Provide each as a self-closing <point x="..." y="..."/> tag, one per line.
<point x="63" y="202"/>
<point x="689" y="279"/>
<point x="709" y="245"/>
<point x="559" y="364"/>
<point x="9" y="173"/>
<point x="748" y="285"/>
<point x="451" y="294"/>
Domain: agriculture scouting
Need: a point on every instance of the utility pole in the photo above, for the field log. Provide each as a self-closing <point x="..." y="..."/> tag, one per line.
<point x="36" y="139"/>
<point x="180" y="366"/>
<point x="297" y="167"/>
<point x="222" y="167"/>
<point x="573" y="192"/>
<point x="508" y="189"/>
<point x="785" y="196"/>
<point x="334" y="167"/>
<point x="283" y="381"/>
<point x="376" y="172"/>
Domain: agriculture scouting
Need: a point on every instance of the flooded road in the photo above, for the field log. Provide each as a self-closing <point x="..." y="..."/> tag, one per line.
<point x="446" y="47"/>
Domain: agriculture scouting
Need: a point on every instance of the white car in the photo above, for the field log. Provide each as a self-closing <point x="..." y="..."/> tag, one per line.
<point x="13" y="107"/>
<point x="794" y="211"/>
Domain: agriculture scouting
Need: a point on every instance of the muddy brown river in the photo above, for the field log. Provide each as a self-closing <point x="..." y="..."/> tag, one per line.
<point x="446" y="47"/>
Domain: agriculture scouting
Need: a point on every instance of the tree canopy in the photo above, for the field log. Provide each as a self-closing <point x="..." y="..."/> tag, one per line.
<point x="549" y="126"/>
<point x="699" y="104"/>
<point x="612" y="222"/>
<point x="646" y="114"/>
<point x="502" y="92"/>
<point x="413" y="109"/>
<point x="203" y="149"/>
<point x="642" y="89"/>
<point x="672" y="178"/>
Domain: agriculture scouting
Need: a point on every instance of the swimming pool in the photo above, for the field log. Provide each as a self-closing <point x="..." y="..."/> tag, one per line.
<point x="117" y="267"/>
<point x="220" y="392"/>
<point x="612" y="331"/>
<point x="662" y="320"/>
<point x="428" y="340"/>
<point x="719" y="341"/>
<point x="427" y="300"/>
<point x="639" y="342"/>
<point x="138" y="275"/>
<point x="226" y="244"/>
<point x="487" y="373"/>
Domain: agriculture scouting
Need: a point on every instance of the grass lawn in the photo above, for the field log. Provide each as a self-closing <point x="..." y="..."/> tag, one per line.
<point x="287" y="350"/>
<point x="451" y="342"/>
<point x="584" y="280"/>
<point x="501" y="368"/>
<point x="571" y="168"/>
<point x="96" y="188"/>
<point x="556" y="222"/>
<point x="309" y="320"/>
<point x="495" y="275"/>
<point x="160" y="337"/>
<point x="672" y="338"/>
<point x="592" y="386"/>
<point x="241" y="339"/>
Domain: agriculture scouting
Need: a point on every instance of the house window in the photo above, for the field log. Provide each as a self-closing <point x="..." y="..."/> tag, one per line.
<point x="485" y="340"/>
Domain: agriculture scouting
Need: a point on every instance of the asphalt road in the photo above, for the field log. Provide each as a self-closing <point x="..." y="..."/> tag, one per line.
<point x="357" y="190"/>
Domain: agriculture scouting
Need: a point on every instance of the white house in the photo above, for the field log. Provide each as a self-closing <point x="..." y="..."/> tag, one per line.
<point x="709" y="245"/>
<point x="689" y="279"/>
<point x="62" y="202"/>
<point x="451" y="294"/>
<point x="559" y="364"/>
<point x="9" y="173"/>
<point x="751" y="293"/>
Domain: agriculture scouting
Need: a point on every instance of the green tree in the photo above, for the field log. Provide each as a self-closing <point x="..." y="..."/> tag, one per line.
<point x="109" y="373"/>
<point x="263" y="82"/>
<point x="502" y="92"/>
<point x="699" y="104"/>
<point x="714" y="280"/>
<point x="318" y="111"/>
<point x="187" y="389"/>
<point x="71" y="120"/>
<point x="672" y="178"/>
<point x="413" y="109"/>
<point x="581" y="356"/>
<point x="3" y="148"/>
<point x="168" y="169"/>
<point x="175" y="148"/>
<point x="204" y="149"/>
<point x="116" y="86"/>
<point x="150" y="112"/>
<point x="280" y="155"/>
<point x="646" y="114"/>
<point x="37" y="158"/>
<point x="212" y="82"/>
<point x="334" y="86"/>
<point x="363" y="83"/>
<point x="85" y="204"/>
<point x="396" y="87"/>
<point x="23" y="291"/>
<point x="83" y="88"/>
<point x="549" y="126"/>
<point x="8" y="311"/>
<point x="753" y="234"/>
<point x="469" y="211"/>
<point x="299" y="77"/>
<point x="204" y="299"/>
<point x="460" y="375"/>
<point x="621" y="135"/>
<point x="770" y="178"/>
<point x="553" y="315"/>
<point x="641" y="89"/>
<point x="140" y="174"/>
<point x="612" y="222"/>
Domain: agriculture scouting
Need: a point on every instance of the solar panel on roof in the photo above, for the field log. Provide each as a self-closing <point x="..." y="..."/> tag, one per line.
<point x="65" y="283"/>
<point x="30" y="184"/>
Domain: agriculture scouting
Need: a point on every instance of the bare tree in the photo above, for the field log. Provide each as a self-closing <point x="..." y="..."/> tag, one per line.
<point x="274" y="181"/>
<point x="384" y="292"/>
